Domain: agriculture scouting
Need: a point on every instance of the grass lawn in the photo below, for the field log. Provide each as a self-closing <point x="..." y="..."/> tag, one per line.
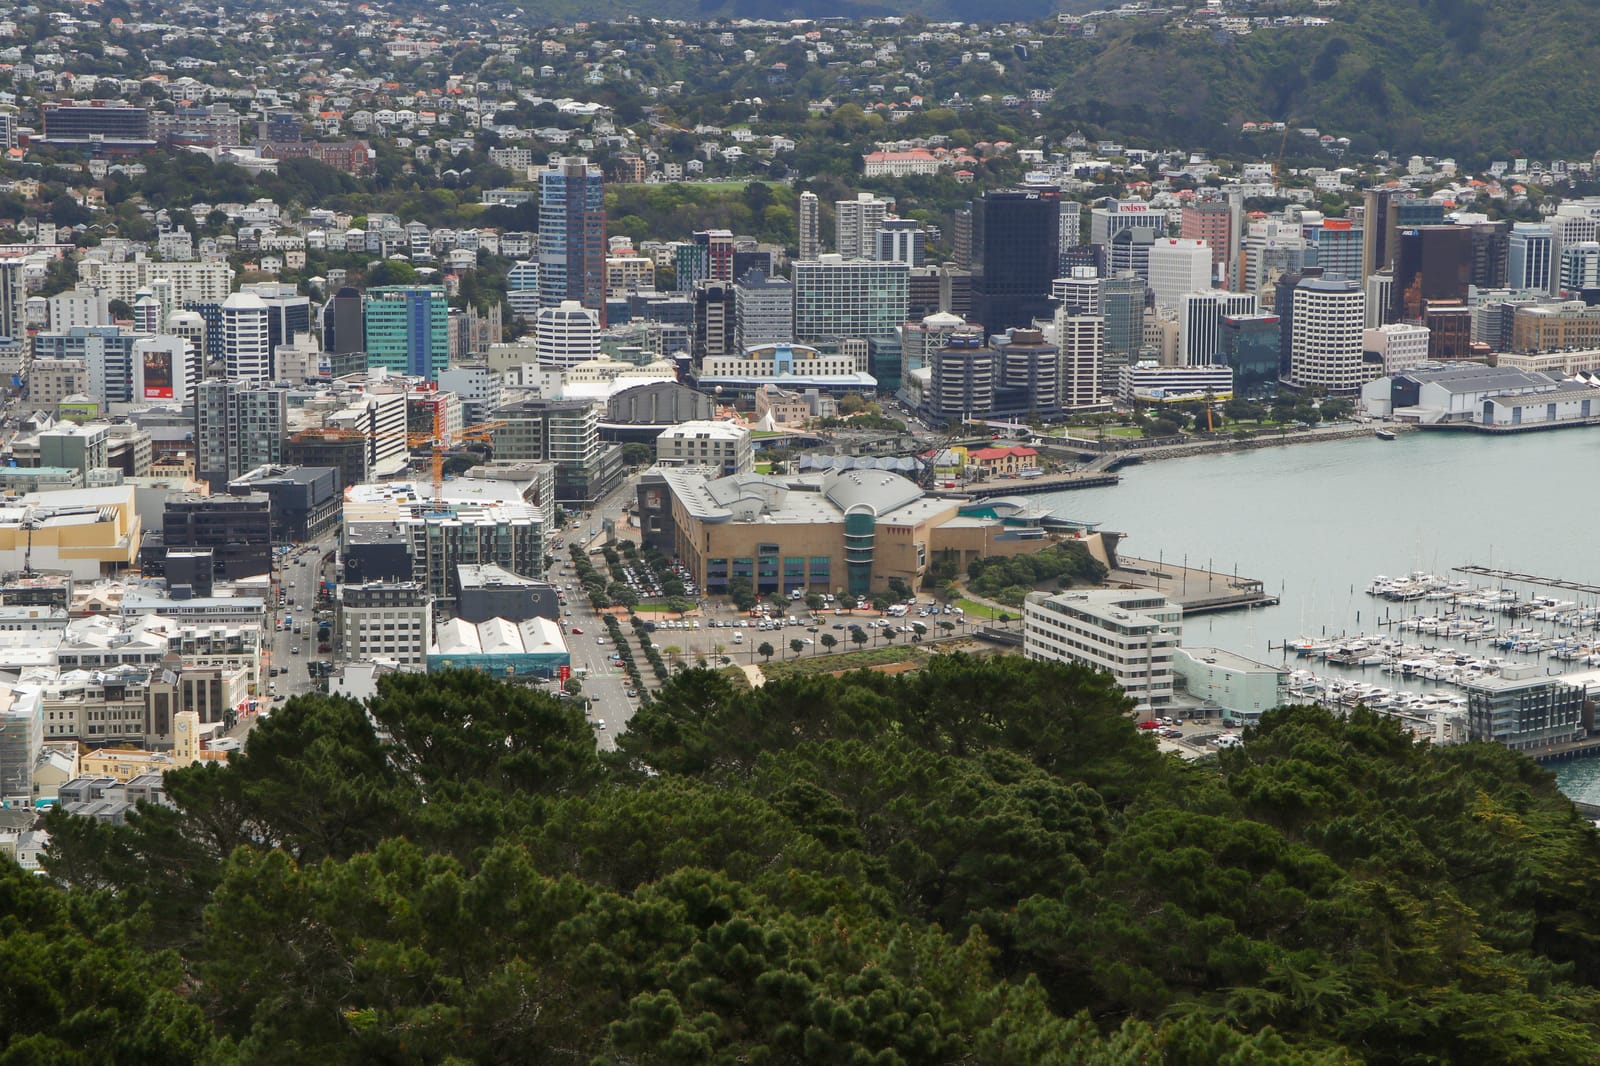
<point x="983" y="612"/>
<point x="824" y="663"/>
<point x="763" y="468"/>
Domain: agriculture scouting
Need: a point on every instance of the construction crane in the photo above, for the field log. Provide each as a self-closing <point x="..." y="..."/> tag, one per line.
<point x="438" y="440"/>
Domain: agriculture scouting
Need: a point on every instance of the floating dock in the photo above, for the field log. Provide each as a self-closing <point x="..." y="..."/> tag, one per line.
<point x="1196" y="590"/>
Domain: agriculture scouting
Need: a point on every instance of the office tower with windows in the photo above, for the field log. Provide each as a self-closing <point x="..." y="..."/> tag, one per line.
<point x="809" y="221"/>
<point x="407" y="329"/>
<point x="1018" y="236"/>
<point x="1326" y="336"/>
<point x="572" y="235"/>
<point x="855" y="225"/>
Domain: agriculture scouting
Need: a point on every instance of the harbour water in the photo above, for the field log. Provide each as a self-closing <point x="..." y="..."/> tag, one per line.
<point x="1316" y="522"/>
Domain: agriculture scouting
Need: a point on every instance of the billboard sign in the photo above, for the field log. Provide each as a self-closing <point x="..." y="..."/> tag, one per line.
<point x="157" y="374"/>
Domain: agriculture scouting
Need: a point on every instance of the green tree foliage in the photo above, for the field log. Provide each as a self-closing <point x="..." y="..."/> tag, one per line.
<point x="1007" y="578"/>
<point x="981" y="862"/>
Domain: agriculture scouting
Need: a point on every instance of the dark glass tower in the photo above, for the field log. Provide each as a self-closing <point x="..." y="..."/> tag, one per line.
<point x="1017" y="235"/>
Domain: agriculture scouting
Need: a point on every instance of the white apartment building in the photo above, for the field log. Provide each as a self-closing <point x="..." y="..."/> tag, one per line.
<point x="85" y="305"/>
<point x="1082" y="340"/>
<point x="1402" y="345"/>
<point x="1325" y="337"/>
<point x="207" y="282"/>
<point x="1178" y="266"/>
<point x="1079" y="290"/>
<point x="246" y="349"/>
<point x="720" y="444"/>
<point x="855" y="224"/>
<point x="1131" y="634"/>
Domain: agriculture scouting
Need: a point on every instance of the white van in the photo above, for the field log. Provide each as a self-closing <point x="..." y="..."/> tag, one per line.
<point x="738" y="638"/>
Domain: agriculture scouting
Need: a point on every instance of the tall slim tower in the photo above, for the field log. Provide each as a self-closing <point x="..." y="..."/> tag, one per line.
<point x="246" y="344"/>
<point x="856" y="222"/>
<point x="810" y="224"/>
<point x="572" y="235"/>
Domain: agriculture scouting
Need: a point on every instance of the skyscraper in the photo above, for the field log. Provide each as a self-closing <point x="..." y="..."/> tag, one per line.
<point x="238" y="426"/>
<point x="836" y="299"/>
<point x="763" y="310"/>
<point x="246" y="344"/>
<point x="810" y="226"/>
<point x="572" y="235"/>
<point x="1018" y="236"/>
<point x="1325" y="338"/>
<point x="1122" y="300"/>
<point x="1178" y="265"/>
<point x="1209" y="221"/>
<point x="1528" y="260"/>
<point x="718" y="244"/>
<point x="899" y="240"/>
<point x="408" y="329"/>
<point x="566" y="334"/>
<point x="1431" y="263"/>
<point x="714" y="319"/>
<point x="855" y="224"/>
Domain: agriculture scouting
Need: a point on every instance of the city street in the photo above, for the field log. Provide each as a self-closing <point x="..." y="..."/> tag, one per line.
<point x="605" y="685"/>
<point x="298" y="574"/>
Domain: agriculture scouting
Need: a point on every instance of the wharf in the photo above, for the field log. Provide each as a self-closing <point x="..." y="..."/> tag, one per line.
<point x="1196" y="590"/>
<point x="1033" y="486"/>
<point x="1572" y="749"/>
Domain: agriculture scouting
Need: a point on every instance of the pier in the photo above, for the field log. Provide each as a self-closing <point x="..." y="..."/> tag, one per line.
<point x="1196" y="590"/>
<point x="1528" y="579"/>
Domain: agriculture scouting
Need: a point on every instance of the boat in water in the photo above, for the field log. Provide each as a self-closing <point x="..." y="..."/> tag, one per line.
<point x="1384" y="434"/>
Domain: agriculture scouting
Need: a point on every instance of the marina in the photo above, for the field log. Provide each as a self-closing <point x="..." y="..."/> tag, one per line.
<point x="1315" y="524"/>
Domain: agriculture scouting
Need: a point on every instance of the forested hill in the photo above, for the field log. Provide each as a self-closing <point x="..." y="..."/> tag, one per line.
<point x="1477" y="78"/>
<point x="979" y="864"/>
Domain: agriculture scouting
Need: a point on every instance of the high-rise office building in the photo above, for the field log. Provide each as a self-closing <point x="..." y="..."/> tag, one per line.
<point x="1252" y="346"/>
<point x="342" y="329"/>
<point x="1491" y="249"/>
<point x="1071" y="224"/>
<point x="855" y="225"/>
<point x="1078" y="292"/>
<point x="13" y="299"/>
<point x="718" y="244"/>
<point x="1129" y="252"/>
<point x="572" y="235"/>
<point x="1529" y="257"/>
<point x="407" y="329"/>
<point x="1178" y="266"/>
<point x="763" y="310"/>
<point x="836" y="299"/>
<point x="1200" y="316"/>
<point x="1122" y="303"/>
<point x="1082" y="340"/>
<point x="1209" y="221"/>
<point x="961" y="239"/>
<point x="238" y="426"/>
<point x="1580" y="266"/>
<point x="566" y="334"/>
<point x="899" y="240"/>
<point x="1111" y="217"/>
<point x="1432" y="263"/>
<point x="715" y="317"/>
<point x="1339" y="247"/>
<point x="1018" y="236"/>
<point x="246" y="342"/>
<point x="809" y="224"/>
<point x="1385" y="213"/>
<point x="1326" y="338"/>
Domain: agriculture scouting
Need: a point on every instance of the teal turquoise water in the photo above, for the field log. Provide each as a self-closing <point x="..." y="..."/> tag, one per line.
<point x="1316" y="522"/>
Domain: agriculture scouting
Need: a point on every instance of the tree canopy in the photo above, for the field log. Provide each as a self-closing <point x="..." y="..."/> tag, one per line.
<point x="980" y="862"/>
